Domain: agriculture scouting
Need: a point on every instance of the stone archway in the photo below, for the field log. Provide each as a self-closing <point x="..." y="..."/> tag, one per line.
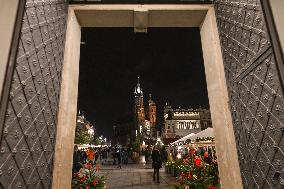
<point x="140" y="17"/>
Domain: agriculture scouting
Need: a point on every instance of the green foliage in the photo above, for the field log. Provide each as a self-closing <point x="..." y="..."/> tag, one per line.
<point x="136" y="146"/>
<point x="196" y="174"/>
<point x="98" y="141"/>
<point x="177" y="165"/>
<point x="82" y="137"/>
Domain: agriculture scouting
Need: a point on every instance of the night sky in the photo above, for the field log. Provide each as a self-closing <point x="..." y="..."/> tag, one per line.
<point x="168" y="60"/>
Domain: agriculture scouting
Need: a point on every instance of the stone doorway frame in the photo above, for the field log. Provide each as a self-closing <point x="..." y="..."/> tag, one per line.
<point x="140" y="17"/>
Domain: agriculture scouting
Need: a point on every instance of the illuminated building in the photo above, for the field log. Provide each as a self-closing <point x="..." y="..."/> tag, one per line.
<point x="145" y="122"/>
<point x="181" y="122"/>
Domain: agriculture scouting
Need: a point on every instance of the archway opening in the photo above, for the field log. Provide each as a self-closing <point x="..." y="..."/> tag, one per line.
<point x="169" y="101"/>
<point x="201" y="16"/>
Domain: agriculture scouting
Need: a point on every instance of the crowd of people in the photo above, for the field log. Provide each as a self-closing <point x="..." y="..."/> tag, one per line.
<point x="117" y="156"/>
<point x="106" y="155"/>
<point x="189" y="151"/>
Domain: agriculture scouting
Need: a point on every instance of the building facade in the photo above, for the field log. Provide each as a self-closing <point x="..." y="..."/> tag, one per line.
<point x="181" y="122"/>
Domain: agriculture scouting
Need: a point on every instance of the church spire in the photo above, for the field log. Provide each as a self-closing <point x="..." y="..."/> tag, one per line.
<point x="151" y="102"/>
<point x="138" y="88"/>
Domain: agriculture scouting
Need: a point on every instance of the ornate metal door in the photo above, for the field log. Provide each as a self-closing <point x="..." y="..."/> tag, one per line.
<point x="255" y="91"/>
<point x="27" y="145"/>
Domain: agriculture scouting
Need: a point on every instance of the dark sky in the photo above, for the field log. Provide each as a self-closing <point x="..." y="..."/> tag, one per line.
<point x="168" y="60"/>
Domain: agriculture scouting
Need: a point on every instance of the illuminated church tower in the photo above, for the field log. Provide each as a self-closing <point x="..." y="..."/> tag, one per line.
<point x="139" y="106"/>
<point x="152" y="115"/>
<point x="145" y="120"/>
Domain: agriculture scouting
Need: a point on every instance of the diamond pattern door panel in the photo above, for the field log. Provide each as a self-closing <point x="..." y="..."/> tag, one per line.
<point x="27" y="146"/>
<point x="256" y="95"/>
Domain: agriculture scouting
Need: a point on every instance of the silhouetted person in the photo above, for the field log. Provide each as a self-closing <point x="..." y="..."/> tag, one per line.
<point x="156" y="163"/>
<point x="164" y="155"/>
<point x="119" y="158"/>
<point x="125" y="157"/>
<point x="147" y="154"/>
<point x="76" y="160"/>
<point x="84" y="156"/>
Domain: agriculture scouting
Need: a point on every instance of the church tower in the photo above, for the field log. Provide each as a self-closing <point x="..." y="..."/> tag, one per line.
<point x="152" y="112"/>
<point x="152" y="115"/>
<point x="139" y="106"/>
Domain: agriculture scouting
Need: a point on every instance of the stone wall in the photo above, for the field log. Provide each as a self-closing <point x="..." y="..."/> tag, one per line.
<point x="255" y="92"/>
<point x="28" y="140"/>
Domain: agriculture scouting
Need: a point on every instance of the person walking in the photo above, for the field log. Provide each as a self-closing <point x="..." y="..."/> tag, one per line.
<point x="156" y="163"/>
<point x="84" y="156"/>
<point x="125" y="157"/>
<point x="147" y="154"/>
<point x="119" y="158"/>
<point x="164" y="155"/>
<point x="90" y="154"/>
<point x="76" y="160"/>
<point x="114" y="156"/>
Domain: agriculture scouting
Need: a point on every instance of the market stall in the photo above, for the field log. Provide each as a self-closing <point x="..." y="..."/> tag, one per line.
<point x="193" y="161"/>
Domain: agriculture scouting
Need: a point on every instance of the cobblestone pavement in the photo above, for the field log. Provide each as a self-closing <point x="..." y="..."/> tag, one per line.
<point x="135" y="176"/>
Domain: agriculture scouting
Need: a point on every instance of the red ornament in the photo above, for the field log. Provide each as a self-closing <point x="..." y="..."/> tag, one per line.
<point x="76" y="174"/>
<point x="197" y="162"/>
<point x="95" y="182"/>
<point x="206" y="155"/>
<point x="88" y="166"/>
<point x="83" y="179"/>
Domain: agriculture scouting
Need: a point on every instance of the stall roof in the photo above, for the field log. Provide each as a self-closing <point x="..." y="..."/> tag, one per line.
<point x="184" y="138"/>
<point x="203" y="134"/>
